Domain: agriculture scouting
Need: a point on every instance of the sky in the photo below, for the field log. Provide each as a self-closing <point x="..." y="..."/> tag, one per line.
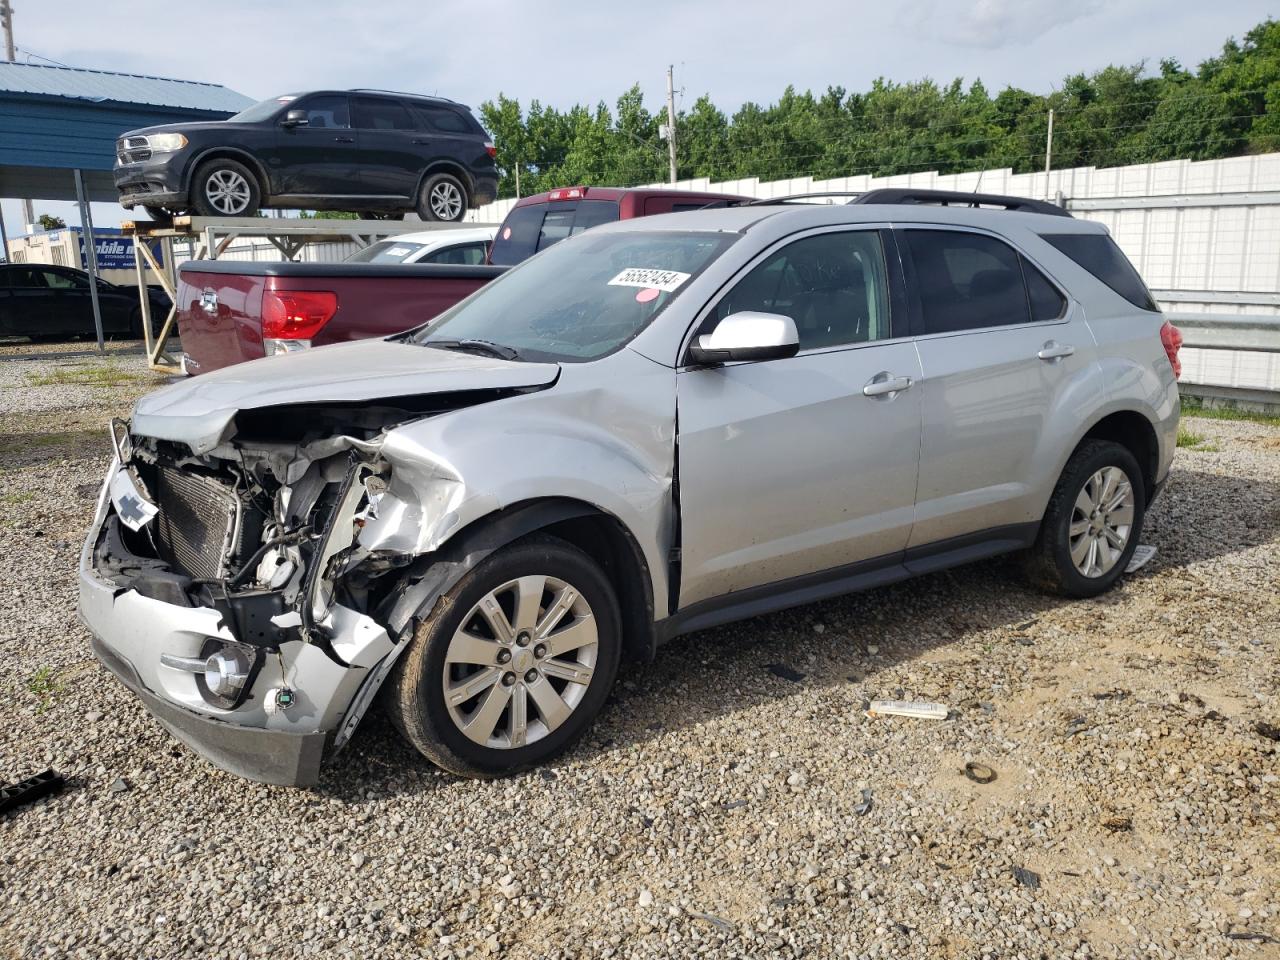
<point x="563" y="52"/>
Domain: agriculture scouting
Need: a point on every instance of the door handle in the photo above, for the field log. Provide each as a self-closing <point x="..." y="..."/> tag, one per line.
<point x="1053" y="350"/>
<point x="422" y="143"/>
<point x="885" y="384"/>
<point x="344" y="139"/>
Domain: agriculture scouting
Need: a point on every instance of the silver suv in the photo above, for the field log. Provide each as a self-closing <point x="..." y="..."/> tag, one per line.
<point x="653" y="427"/>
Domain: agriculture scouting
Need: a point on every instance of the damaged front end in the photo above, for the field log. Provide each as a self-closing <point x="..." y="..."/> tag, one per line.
<point x="236" y="590"/>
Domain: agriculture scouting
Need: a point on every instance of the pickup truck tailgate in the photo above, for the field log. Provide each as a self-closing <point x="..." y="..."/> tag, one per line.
<point x="220" y="303"/>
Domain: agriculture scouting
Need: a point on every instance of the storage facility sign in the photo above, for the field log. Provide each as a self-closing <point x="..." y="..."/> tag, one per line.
<point x="114" y="252"/>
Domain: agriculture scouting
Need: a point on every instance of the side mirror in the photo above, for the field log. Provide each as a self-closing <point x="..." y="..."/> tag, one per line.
<point x="747" y="336"/>
<point x="295" y="118"/>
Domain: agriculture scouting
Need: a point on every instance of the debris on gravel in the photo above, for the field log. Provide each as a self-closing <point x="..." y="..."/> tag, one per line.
<point x="713" y="811"/>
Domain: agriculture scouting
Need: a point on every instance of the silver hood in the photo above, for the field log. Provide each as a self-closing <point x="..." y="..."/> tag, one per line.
<point x="198" y="411"/>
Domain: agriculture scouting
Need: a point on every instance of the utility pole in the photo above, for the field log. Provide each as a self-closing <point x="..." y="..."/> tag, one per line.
<point x="671" y="121"/>
<point x="1048" y="154"/>
<point x="11" y="54"/>
<point x="6" y="16"/>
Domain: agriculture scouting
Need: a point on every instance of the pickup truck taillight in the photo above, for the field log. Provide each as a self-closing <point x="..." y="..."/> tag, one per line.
<point x="291" y="318"/>
<point x="1171" y="339"/>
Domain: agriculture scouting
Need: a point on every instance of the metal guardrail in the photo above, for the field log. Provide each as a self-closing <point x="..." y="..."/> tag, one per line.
<point x="1217" y="331"/>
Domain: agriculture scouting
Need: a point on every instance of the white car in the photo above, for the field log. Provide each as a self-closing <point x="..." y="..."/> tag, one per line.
<point x="430" y="246"/>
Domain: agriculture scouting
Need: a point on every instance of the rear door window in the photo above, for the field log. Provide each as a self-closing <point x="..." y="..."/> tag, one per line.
<point x="1098" y="254"/>
<point x="374" y="113"/>
<point x="966" y="281"/>
<point x="64" y="281"/>
<point x="463" y="254"/>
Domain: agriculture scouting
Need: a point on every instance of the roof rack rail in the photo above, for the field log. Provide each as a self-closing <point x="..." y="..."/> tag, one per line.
<point x="948" y="198"/>
<point x="401" y="93"/>
<point x="791" y="197"/>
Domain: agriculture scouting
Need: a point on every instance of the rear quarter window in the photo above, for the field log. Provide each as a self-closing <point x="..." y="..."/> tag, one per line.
<point x="444" y="120"/>
<point x="1099" y="254"/>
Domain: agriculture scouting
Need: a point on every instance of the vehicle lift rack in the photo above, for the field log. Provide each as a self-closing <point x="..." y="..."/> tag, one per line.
<point x="210" y="237"/>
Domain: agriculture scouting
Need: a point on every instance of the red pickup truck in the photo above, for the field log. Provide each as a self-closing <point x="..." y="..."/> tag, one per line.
<point x="230" y="311"/>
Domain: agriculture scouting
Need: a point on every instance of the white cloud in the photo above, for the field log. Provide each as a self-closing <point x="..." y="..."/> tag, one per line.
<point x="992" y="23"/>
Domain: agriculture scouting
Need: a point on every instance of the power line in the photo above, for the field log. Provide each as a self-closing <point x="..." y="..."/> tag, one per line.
<point x="31" y="53"/>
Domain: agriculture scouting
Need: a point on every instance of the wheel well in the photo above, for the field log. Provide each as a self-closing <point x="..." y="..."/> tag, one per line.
<point x="611" y="545"/>
<point x="223" y="153"/>
<point x="1134" y="432"/>
<point x="447" y="166"/>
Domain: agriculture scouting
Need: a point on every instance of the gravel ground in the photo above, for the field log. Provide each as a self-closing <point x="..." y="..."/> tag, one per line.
<point x="733" y="801"/>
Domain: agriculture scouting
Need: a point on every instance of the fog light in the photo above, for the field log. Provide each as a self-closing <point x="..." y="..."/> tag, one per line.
<point x="285" y="346"/>
<point x="225" y="673"/>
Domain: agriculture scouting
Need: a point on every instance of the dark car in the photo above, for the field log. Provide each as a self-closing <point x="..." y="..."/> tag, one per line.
<point x="377" y="153"/>
<point x="54" y="303"/>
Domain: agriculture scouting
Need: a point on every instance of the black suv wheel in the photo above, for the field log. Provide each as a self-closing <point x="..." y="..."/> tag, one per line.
<point x="224" y="188"/>
<point x="442" y="198"/>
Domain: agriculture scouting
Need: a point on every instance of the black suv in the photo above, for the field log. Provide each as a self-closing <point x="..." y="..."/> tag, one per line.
<point x="380" y="154"/>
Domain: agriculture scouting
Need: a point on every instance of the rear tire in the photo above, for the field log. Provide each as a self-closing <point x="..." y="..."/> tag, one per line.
<point x="225" y="188"/>
<point x="1092" y="524"/>
<point x="513" y="701"/>
<point x="442" y="199"/>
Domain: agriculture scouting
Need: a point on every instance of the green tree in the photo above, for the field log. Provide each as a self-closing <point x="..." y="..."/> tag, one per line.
<point x="1117" y="115"/>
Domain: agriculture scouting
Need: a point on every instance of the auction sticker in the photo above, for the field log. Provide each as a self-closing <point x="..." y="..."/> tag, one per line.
<point x="665" y="280"/>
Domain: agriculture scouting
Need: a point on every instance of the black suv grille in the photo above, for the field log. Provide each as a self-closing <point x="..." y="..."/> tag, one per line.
<point x="132" y="149"/>
<point x="201" y="529"/>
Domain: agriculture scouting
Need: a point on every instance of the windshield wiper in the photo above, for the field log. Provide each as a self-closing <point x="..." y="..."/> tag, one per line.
<point x="499" y="350"/>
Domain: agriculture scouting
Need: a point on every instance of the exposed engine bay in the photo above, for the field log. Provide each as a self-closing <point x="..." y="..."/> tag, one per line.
<point x="290" y="530"/>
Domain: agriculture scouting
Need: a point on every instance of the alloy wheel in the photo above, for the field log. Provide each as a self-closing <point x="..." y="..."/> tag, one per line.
<point x="228" y="192"/>
<point x="520" y="662"/>
<point x="446" y="200"/>
<point x="1101" y="521"/>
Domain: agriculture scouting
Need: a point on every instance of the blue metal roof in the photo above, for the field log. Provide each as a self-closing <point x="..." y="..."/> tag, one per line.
<point x="103" y="86"/>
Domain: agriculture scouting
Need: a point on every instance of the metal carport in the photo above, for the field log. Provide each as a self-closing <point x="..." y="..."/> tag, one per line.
<point x="58" y="128"/>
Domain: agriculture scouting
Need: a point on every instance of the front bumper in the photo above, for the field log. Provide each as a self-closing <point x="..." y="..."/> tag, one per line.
<point x="254" y="740"/>
<point x="268" y="756"/>
<point x="155" y="182"/>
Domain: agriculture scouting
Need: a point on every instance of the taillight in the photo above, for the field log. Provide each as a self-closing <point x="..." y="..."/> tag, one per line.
<point x="568" y="193"/>
<point x="1171" y="338"/>
<point x="296" y="314"/>
<point x="490" y="149"/>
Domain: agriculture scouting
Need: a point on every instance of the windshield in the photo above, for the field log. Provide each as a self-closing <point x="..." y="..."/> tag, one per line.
<point x="581" y="299"/>
<point x="386" y="251"/>
<point x="263" y="110"/>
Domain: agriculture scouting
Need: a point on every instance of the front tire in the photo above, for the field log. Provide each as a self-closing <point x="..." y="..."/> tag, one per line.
<point x="443" y="198"/>
<point x="1092" y="524"/>
<point x="225" y="188"/>
<point x="512" y="664"/>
